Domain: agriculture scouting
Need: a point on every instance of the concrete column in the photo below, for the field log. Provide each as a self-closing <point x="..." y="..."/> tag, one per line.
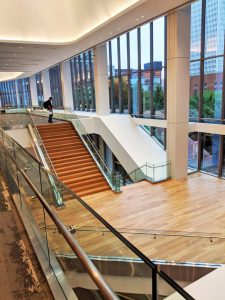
<point x="66" y="84"/>
<point x="46" y="85"/>
<point x="33" y="91"/>
<point x="178" y="85"/>
<point x="101" y="80"/>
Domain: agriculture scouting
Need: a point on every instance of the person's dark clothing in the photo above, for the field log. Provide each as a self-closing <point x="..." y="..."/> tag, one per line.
<point x="48" y="106"/>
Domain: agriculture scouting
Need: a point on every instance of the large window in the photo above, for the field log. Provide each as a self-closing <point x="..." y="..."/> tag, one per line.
<point x="8" y="94"/>
<point x="56" y="86"/>
<point x="39" y="84"/>
<point x="24" y="92"/>
<point x="137" y="71"/>
<point x="83" y="81"/>
<point x="207" y="95"/>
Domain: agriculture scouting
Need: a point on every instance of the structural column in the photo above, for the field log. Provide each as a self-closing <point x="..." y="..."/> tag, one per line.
<point x="33" y="91"/>
<point x="178" y="85"/>
<point x="66" y="84"/>
<point x="101" y="80"/>
<point x="46" y="85"/>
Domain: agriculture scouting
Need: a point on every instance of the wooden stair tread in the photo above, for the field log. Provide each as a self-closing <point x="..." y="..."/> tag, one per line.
<point x="73" y="163"/>
<point x="92" y="191"/>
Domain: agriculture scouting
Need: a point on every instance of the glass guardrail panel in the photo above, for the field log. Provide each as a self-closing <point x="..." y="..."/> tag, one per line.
<point x="181" y="250"/>
<point x="158" y="173"/>
<point x="8" y="142"/>
<point x="166" y="291"/>
<point x="137" y="175"/>
<point x="81" y="282"/>
<point x="50" y="188"/>
<point x="106" y="251"/>
<point x="30" y="206"/>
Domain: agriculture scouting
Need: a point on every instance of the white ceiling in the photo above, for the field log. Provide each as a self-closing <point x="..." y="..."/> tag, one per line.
<point x="103" y="19"/>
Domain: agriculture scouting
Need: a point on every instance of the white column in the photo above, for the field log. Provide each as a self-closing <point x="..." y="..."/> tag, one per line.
<point x="46" y="85"/>
<point x="178" y="85"/>
<point x="101" y="80"/>
<point x="66" y="84"/>
<point x="33" y="91"/>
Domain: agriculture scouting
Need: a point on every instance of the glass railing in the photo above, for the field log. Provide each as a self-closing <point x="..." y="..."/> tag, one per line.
<point x="152" y="172"/>
<point x="25" y="176"/>
<point x="113" y="178"/>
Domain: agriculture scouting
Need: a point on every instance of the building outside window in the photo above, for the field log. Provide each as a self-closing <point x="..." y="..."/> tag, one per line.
<point x="137" y="71"/>
<point x="207" y="61"/>
<point x="39" y="84"/>
<point x="56" y="85"/>
<point x="24" y="92"/>
<point x="83" y="81"/>
<point x="207" y="97"/>
<point x="8" y="94"/>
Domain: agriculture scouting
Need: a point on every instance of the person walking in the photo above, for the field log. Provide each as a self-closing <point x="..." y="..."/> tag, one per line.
<point x="49" y="107"/>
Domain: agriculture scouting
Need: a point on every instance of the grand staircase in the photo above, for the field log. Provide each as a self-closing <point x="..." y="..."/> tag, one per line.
<point x="71" y="160"/>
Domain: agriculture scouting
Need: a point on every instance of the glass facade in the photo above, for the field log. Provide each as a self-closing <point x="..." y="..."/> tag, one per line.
<point x="207" y="100"/>
<point x="137" y="71"/>
<point x="39" y="84"/>
<point x="56" y="86"/>
<point x="83" y="81"/>
<point x="207" y="88"/>
<point x="24" y="94"/>
<point x="8" y="94"/>
<point x="210" y="153"/>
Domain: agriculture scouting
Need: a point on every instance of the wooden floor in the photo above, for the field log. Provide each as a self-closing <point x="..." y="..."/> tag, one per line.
<point x="166" y="221"/>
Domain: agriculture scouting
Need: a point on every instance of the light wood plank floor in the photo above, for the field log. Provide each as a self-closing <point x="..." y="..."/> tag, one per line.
<point x="153" y="218"/>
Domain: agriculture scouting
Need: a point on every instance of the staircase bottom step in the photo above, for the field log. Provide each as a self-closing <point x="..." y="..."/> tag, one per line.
<point x="92" y="191"/>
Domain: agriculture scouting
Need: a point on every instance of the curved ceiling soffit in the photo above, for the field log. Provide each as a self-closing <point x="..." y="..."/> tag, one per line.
<point x="57" y="22"/>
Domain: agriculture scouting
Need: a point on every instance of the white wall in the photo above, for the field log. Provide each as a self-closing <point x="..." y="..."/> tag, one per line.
<point x="132" y="146"/>
<point x="21" y="136"/>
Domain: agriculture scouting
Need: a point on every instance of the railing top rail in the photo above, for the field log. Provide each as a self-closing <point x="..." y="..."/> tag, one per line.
<point x="155" y="232"/>
<point x="40" y="139"/>
<point x="151" y="165"/>
<point x="90" y="267"/>
<point x="89" y="140"/>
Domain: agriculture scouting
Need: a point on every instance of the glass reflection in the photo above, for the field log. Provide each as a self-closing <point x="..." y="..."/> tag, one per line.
<point x="214" y="27"/>
<point x="193" y="151"/>
<point x="56" y="86"/>
<point x="210" y="153"/>
<point x="196" y="16"/>
<point x="194" y="90"/>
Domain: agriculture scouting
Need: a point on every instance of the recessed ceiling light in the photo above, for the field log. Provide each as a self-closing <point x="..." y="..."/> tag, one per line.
<point x="21" y="47"/>
<point x="137" y="19"/>
<point x="14" y="53"/>
<point x="142" y="17"/>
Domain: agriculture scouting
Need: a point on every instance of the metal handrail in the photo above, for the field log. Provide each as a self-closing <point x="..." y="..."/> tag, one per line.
<point x="74" y="245"/>
<point x="56" y="193"/>
<point x="88" y="138"/>
<point x="39" y="138"/>
<point x="150" y="165"/>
